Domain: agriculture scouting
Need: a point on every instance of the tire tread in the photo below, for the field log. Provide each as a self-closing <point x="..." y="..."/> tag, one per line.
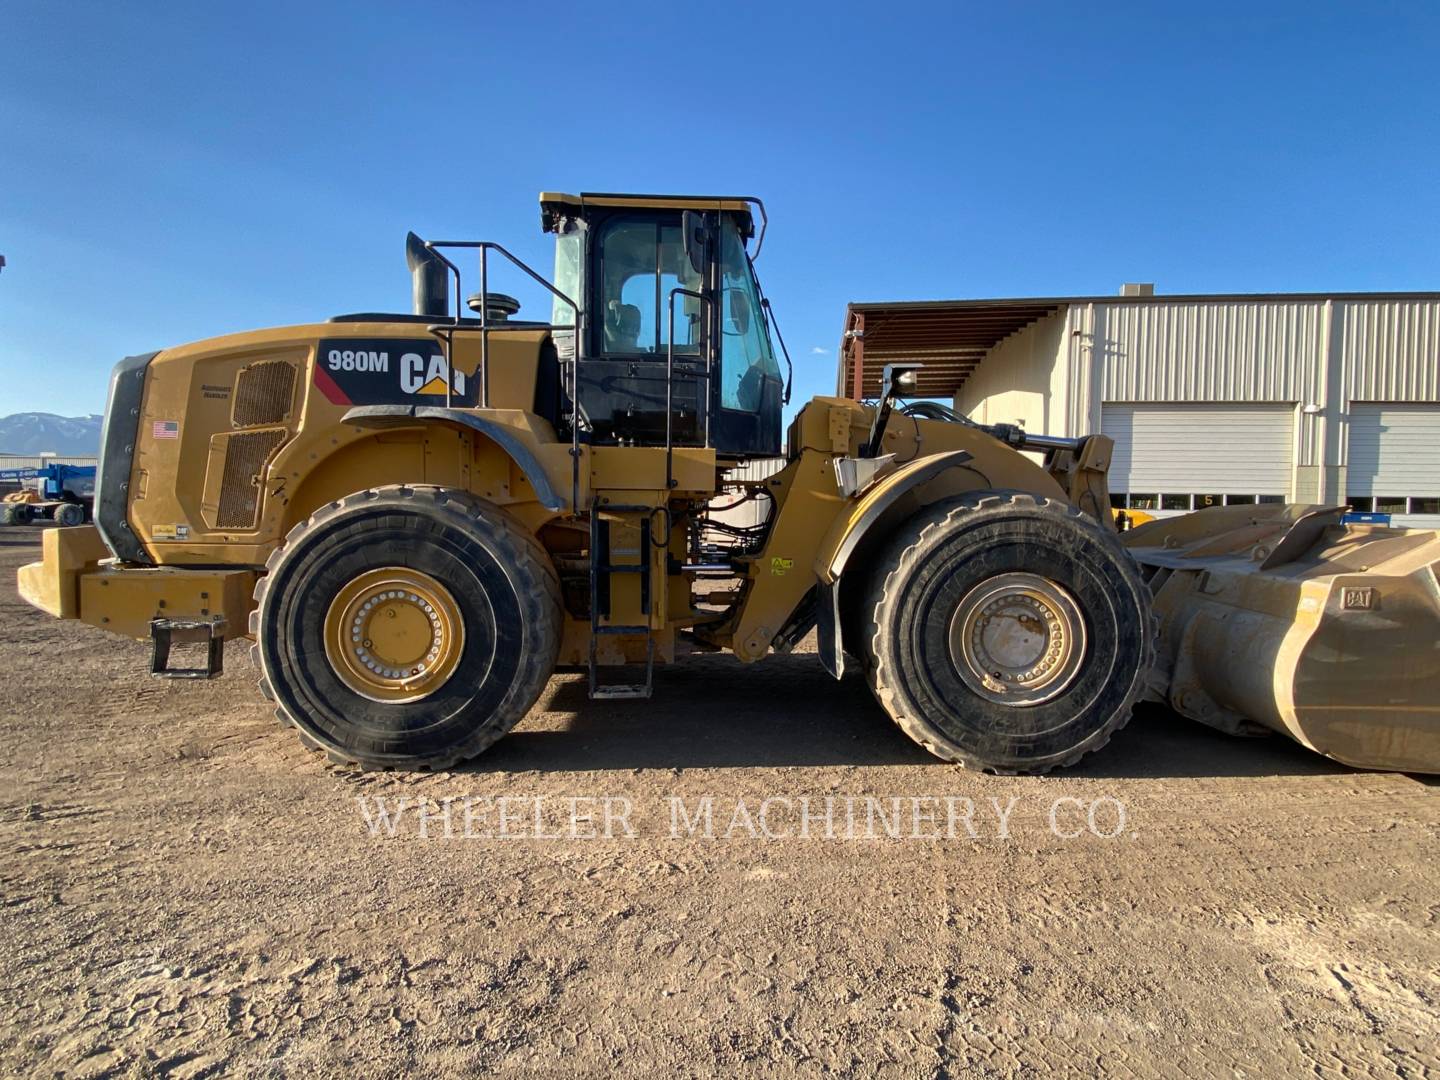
<point x="901" y="556"/>
<point x="540" y="611"/>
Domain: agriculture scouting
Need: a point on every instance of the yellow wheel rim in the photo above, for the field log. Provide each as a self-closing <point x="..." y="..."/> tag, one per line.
<point x="394" y="634"/>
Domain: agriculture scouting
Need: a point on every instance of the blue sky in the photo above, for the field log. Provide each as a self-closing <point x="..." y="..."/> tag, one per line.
<point x="168" y="175"/>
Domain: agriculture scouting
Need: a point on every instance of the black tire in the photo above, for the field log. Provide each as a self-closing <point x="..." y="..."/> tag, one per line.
<point x="19" y="514"/>
<point x="68" y="515"/>
<point x="8" y="515"/>
<point x="501" y="581"/>
<point x="953" y="550"/>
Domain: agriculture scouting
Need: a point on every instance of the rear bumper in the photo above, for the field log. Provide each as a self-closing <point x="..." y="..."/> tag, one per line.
<point x="72" y="582"/>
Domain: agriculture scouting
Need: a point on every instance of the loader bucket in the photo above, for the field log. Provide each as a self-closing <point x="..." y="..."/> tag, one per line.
<point x="1286" y="618"/>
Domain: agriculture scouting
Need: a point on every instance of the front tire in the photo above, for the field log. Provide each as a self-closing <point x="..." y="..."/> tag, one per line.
<point x="406" y="627"/>
<point x="1007" y="632"/>
<point x="68" y="515"/>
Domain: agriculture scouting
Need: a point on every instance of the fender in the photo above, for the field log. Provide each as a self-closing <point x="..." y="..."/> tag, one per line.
<point x="502" y="436"/>
<point x="875" y="510"/>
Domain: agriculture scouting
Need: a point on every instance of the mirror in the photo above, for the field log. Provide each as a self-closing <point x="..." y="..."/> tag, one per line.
<point x="695" y="231"/>
<point x="737" y="312"/>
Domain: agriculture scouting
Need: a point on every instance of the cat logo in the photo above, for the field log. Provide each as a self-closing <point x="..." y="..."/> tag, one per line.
<point x="1358" y="598"/>
<point x="388" y="371"/>
<point x="421" y="376"/>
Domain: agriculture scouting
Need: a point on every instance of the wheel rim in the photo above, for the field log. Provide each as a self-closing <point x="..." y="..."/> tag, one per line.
<point x="1017" y="639"/>
<point x="394" y="634"/>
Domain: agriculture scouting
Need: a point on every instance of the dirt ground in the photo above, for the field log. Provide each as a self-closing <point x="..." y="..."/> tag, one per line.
<point x="187" y="892"/>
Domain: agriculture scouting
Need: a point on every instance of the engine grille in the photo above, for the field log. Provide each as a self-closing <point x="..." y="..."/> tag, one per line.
<point x="245" y="456"/>
<point x="263" y="393"/>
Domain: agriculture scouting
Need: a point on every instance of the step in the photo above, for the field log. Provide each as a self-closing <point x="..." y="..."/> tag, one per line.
<point x="619" y="692"/>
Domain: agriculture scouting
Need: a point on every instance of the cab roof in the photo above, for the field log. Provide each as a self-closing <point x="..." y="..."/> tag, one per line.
<point x="555" y="205"/>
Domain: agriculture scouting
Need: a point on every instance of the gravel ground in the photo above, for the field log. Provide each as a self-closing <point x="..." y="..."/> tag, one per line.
<point x="187" y="892"/>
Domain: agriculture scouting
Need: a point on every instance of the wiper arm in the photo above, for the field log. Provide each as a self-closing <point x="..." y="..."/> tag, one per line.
<point x="789" y="367"/>
<point x="770" y="321"/>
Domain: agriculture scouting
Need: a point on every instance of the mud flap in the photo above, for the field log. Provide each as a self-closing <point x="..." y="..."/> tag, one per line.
<point x="827" y="628"/>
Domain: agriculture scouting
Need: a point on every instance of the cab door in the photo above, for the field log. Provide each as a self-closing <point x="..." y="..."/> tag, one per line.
<point x="748" y="386"/>
<point x="638" y="261"/>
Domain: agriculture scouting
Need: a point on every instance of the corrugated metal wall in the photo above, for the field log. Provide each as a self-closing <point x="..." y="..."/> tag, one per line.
<point x="33" y="461"/>
<point x="753" y="511"/>
<point x="756" y="469"/>
<point x="1185" y="351"/>
<point x="1268" y="350"/>
<point x="1297" y="351"/>
<point x="1207" y="351"/>
<point x="1390" y="350"/>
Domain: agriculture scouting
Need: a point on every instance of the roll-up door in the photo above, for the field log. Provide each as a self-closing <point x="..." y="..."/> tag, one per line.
<point x="1394" y="461"/>
<point x="1172" y="457"/>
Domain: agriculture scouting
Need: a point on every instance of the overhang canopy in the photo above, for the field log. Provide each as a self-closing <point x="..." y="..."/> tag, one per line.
<point x="950" y="337"/>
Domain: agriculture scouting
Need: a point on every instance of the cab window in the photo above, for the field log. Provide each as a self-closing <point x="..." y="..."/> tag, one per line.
<point x="640" y="263"/>
<point x="569" y="250"/>
<point x="746" y="357"/>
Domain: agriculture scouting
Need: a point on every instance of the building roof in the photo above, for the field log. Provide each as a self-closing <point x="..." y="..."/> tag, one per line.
<point x="951" y="337"/>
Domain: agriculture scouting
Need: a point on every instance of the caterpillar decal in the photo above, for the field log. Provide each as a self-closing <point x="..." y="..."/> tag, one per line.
<point x="395" y="371"/>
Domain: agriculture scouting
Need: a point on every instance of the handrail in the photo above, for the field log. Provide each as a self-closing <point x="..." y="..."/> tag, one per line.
<point x="485" y="247"/>
<point x="447" y="333"/>
<point x="670" y="382"/>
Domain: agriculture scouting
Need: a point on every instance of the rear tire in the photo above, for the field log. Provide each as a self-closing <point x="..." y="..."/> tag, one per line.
<point x="406" y="627"/>
<point x="1007" y="632"/>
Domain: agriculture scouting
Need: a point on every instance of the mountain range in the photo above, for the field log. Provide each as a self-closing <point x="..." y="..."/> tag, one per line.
<point x="38" y="433"/>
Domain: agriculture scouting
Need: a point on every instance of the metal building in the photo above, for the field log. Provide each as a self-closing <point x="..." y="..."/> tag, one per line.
<point x="32" y="461"/>
<point x="1329" y="397"/>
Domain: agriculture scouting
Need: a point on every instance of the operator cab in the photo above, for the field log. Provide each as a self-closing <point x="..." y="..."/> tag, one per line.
<point x="674" y="323"/>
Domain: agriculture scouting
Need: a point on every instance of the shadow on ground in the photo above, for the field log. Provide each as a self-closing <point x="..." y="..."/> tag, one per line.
<point x="787" y="711"/>
<point x="711" y="711"/>
<point x="23" y="536"/>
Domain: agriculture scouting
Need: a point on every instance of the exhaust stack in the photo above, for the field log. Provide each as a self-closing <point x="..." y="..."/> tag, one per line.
<point x="430" y="292"/>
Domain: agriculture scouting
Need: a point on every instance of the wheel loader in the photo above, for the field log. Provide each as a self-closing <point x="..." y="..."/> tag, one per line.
<point x="418" y="517"/>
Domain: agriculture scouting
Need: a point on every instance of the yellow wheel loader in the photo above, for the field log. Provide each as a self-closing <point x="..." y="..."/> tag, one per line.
<point x="416" y="518"/>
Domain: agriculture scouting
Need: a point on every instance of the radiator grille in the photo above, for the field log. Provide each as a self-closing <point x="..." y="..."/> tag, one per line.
<point x="245" y="456"/>
<point x="263" y="393"/>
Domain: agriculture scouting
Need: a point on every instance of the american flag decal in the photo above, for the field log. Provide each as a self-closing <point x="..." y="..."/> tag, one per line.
<point x="166" y="429"/>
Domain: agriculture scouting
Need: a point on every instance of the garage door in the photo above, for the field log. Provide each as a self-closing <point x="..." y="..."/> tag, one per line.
<point x="1177" y="457"/>
<point x="1394" y="461"/>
